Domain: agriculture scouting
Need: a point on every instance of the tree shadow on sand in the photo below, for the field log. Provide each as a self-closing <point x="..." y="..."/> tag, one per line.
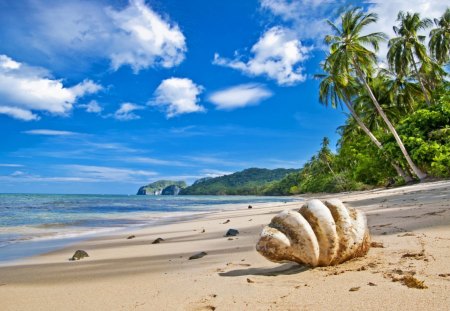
<point x="286" y="269"/>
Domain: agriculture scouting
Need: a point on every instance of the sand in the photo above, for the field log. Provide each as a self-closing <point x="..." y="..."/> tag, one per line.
<point x="412" y="224"/>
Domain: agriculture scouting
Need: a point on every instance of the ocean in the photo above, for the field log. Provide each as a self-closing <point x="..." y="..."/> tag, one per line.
<point x="31" y="224"/>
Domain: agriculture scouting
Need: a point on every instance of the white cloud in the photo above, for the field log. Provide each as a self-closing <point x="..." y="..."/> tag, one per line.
<point x="18" y="113"/>
<point x="178" y="96"/>
<point x="145" y="39"/>
<point x="47" y="132"/>
<point x="133" y="35"/>
<point x="125" y="112"/>
<point x="92" y="107"/>
<point x="24" y="89"/>
<point x="239" y="96"/>
<point x="104" y="173"/>
<point x="278" y="55"/>
<point x="307" y="18"/>
<point x="10" y="165"/>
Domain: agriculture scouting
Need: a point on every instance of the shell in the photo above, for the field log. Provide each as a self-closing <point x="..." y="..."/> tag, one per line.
<point x="316" y="235"/>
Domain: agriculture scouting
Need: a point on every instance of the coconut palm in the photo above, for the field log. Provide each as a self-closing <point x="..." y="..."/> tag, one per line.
<point x="350" y="56"/>
<point x="440" y="39"/>
<point x="332" y="93"/>
<point x="407" y="49"/>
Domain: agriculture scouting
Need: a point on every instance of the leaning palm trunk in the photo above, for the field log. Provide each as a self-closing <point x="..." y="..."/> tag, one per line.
<point x="427" y="100"/>
<point x="397" y="168"/>
<point x="421" y="175"/>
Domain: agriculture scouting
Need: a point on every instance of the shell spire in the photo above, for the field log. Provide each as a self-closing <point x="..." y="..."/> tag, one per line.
<point x="319" y="234"/>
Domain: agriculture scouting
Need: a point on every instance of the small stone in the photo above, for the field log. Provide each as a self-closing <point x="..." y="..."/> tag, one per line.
<point x="371" y="284"/>
<point x="250" y="281"/>
<point x="198" y="255"/>
<point x="158" y="240"/>
<point x="377" y="245"/>
<point x="232" y="232"/>
<point x="354" y="289"/>
<point x="203" y="231"/>
<point x="131" y="237"/>
<point x="250" y="206"/>
<point x="79" y="254"/>
<point x="227" y="221"/>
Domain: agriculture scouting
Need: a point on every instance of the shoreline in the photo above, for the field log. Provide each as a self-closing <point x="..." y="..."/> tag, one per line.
<point x="411" y="222"/>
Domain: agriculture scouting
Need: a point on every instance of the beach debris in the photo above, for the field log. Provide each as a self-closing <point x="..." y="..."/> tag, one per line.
<point x="227" y="221"/>
<point x="232" y="232"/>
<point x="376" y="244"/>
<point x="444" y="274"/>
<point x="230" y="239"/>
<point x="250" y="280"/>
<point x="79" y="254"/>
<point x="198" y="255"/>
<point x="131" y="237"/>
<point x="371" y="284"/>
<point x="354" y="289"/>
<point x="158" y="240"/>
<point x="316" y="235"/>
<point x="418" y="256"/>
<point x="250" y="206"/>
<point x="411" y="282"/>
<point x="203" y="231"/>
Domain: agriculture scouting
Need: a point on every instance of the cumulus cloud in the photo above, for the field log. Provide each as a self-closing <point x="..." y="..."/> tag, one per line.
<point x="178" y="96"/>
<point x="278" y="55"/>
<point x="92" y="107"/>
<point x="144" y="39"/>
<point x="239" y="96"/>
<point x="125" y="112"/>
<point x="133" y="35"/>
<point x="24" y="89"/>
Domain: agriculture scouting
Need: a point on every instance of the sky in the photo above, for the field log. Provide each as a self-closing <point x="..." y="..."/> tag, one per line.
<point x="105" y="96"/>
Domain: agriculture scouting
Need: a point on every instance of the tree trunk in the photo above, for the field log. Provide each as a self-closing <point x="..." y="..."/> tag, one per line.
<point x="372" y="137"/>
<point x="421" y="83"/>
<point x="421" y="175"/>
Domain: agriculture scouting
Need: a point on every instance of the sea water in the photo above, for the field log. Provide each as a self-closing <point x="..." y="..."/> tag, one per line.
<point x="36" y="223"/>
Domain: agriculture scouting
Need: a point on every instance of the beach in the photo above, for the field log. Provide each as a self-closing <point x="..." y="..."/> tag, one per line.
<point x="410" y="225"/>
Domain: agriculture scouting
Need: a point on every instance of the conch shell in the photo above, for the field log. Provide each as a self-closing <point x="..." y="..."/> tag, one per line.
<point x="316" y="235"/>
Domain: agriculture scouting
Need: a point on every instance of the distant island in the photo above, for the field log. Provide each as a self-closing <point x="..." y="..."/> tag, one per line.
<point x="162" y="187"/>
<point x="252" y="181"/>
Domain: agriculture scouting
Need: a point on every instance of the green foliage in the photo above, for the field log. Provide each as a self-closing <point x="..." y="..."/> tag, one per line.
<point x="426" y="133"/>
<point x="251" y="181"/>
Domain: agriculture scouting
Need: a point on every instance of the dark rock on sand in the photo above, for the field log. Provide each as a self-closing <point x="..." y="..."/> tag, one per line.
<point x="131" y="237"/>
<point x="232" y="232"/>
<point x="158" y="240"/>
<point x="250" y="206"/>
<point x="227" y="221"/>
<point x="79" y="254"/>
<point x="198" y="255"/>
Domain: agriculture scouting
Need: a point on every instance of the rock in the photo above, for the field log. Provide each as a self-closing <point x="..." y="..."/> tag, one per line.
<point x="250" y="206"/>
<point x="316" y="235"/>
<point x="198" y="255"/>
<point x="232" y="232"/>
<point x="158" y="240"/>
<point x="171" y="190"/>
<point x="131" y="237"/>
<point x="354" y="289"/>
<point x="250" y="280"/>
<point x="79" y="254"/>
<point x="227" y="221"/>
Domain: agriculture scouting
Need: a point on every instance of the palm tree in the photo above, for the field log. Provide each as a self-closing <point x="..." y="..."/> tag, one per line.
<point x="332" y="93"/>
<point x="409" y="45"/>
<point x="440" y="39"/>
<point x="349" y="55"/>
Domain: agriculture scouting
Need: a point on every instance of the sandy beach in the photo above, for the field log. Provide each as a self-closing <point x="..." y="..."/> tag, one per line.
<point x="411" y="226"/>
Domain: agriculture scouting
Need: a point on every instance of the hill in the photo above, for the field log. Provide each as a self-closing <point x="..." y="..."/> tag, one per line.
<point x="251" y="181"/>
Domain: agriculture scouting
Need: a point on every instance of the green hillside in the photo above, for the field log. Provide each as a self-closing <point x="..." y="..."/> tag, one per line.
<point x="251" y="181"/>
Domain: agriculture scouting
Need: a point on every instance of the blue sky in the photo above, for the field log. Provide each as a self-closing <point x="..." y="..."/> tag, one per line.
<point x="105" y="96"/>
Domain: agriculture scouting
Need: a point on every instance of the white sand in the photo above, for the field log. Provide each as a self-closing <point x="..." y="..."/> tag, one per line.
<point x="123" y="274"/>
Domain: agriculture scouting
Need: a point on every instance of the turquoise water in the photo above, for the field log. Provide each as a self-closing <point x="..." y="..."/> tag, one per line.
<point x="35" y="223"/>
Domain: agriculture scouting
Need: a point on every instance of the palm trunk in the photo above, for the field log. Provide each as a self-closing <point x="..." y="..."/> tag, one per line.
<point x="397" y="168"/>
<point x="421" y="175"/>
<point x="421" y="83"/>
